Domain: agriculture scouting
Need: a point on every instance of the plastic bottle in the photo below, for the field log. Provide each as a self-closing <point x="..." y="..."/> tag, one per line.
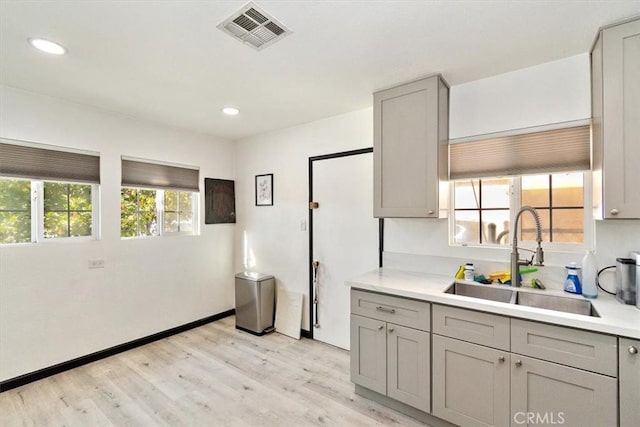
<point x="572" y="283"/>
<point x="469" y="270"/>
<point x="589" y="272"/>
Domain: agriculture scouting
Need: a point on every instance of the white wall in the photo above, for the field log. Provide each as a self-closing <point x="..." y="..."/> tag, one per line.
<point x="52" y="307"/>
<point x="548" y="93"/>
<point x="274" y="236"/>
<point x="553" y="92"/>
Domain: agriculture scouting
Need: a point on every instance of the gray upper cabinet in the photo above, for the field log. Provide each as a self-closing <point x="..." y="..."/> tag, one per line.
<point x="410" y="134"/>
<point x="615" y="63"/>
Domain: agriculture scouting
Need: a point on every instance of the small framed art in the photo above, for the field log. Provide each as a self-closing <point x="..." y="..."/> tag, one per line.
<point x="264" y="190"/>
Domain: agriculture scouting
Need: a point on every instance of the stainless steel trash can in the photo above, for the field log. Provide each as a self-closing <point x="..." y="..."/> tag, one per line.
<point x="255" y="301"/>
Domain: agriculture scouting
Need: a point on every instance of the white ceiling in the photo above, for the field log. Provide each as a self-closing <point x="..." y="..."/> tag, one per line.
<point x="166" y="61"/>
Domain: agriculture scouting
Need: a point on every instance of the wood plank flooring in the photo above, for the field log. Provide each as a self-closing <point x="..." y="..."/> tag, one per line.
<point x="213" y="375"/>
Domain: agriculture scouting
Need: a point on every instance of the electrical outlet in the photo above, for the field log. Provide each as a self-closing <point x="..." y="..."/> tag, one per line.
<point x="303" y="225"/>
<point x="96" y="263"/>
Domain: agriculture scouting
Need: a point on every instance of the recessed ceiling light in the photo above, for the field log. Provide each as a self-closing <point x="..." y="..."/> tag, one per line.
<point x="230" y="111"/>
<point x="47" y="46"/>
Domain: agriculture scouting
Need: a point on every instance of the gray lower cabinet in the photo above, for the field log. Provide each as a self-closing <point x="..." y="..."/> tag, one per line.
<point x="392" y="360"/>
<point x="488" y="371"/>
<point x="369" y="353"/>
<point x="629" y="377"/>
<point x="408" y="367"/>
<point x="470" y="383"/>
<point x="545" y="393"/>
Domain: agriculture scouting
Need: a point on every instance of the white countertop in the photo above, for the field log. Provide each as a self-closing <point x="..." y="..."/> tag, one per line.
<point x="615" y="318"/>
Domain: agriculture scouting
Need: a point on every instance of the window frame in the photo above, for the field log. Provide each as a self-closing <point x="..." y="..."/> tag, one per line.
<point x="37" y="214"/>
<point x="515" y="203"/>
<point x="160" y="211"/>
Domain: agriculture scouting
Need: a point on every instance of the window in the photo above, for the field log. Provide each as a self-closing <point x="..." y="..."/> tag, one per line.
<point x="147" y="212"/>
<point x="68" y="210"/>
<point x="15" y="211"/>
<point x="47" y="192"/>
<point x="139" y="215"/>
<point x="178" y="211"/>
<point x="484" y="209"/>
<point x="35" y="211"/>
<point x="158" y="199"/>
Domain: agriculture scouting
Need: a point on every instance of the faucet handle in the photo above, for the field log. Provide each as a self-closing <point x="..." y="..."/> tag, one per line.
<point x="539" y="256"/>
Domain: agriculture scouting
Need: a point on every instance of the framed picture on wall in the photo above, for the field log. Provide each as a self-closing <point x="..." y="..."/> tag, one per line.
<point x="264" y="190"/>
<point x="220" y="201"/>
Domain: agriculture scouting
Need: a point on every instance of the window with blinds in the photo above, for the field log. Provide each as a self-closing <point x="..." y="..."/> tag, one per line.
<point x="158" y="199"/>
<point x="493" y="176"/>
<point x="47" y="192"/>
<point x="563" y="149"/>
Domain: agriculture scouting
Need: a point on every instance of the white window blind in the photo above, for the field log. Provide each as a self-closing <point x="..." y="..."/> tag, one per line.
<point x="561" y="149"/>
<point x="136" y="173"/>
<point x="33" y="161"/>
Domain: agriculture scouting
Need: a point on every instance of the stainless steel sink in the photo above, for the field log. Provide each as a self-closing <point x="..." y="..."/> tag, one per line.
<point x="552" y="302"/>
<point x="529" y="299"/>
<point x="482" y="291"/>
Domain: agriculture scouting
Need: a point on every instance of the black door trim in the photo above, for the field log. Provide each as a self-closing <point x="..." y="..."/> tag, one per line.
<point x="380" y="226"/>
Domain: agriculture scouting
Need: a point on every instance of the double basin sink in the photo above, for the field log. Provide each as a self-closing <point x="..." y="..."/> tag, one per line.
<point x="529" y="299"/>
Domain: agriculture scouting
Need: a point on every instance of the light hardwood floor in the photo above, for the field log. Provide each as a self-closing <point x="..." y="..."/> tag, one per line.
<point x="213" y="375"/>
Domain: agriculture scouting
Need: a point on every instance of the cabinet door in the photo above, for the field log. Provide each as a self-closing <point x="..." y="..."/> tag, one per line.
<point x="369" y="353"/>
<point x="544" y="393"/>
<point x="621" y="120"/>
<point x="408" y="366"/>
<point x="410" y="149"/>
<point x="629" y="382"/>
<point x="470" y="383"/>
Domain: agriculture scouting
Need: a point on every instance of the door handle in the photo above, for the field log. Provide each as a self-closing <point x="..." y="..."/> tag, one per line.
<point x="391" y="330"/>
<point x="501" y="359"/>
<point x="386" y="310"/>
<point x="518" y="362"/>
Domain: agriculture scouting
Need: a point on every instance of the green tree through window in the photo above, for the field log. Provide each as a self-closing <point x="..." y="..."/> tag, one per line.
<point x="67" y="210"/>
<point x="138" y="213"/>
<point x="15" y="211"/>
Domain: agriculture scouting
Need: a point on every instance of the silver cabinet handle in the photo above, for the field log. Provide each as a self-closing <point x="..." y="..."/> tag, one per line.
<point x="632" y="350"/>
<point x="501" y="359"/>
<point x="430" y="212"/>
<point x="518" y="362"/>
<point x="614" y="211"/>
<point x="386" y="310"/>
<point x="391" y="330"/>
<point x="380" y="327"/>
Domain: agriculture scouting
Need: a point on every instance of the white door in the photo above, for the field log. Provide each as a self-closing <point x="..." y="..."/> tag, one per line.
<point x="345" y="239"/>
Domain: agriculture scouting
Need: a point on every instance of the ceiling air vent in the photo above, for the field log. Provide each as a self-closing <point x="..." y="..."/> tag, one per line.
<point x="254" y="27"/>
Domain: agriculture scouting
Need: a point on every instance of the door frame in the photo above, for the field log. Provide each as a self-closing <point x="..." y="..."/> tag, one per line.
<point x="310" y="228"/>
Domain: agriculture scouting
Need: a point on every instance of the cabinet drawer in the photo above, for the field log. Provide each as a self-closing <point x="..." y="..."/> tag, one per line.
<point x="401" y="311"/>
<point x="472" y="326"/>
<point x="581" y="349"/>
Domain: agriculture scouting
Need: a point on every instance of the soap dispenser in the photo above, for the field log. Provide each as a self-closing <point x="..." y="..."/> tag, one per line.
<point x="572" y="283"/>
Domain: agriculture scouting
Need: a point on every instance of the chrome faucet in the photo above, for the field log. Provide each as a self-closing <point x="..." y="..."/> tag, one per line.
<point x="516" y="262"/>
